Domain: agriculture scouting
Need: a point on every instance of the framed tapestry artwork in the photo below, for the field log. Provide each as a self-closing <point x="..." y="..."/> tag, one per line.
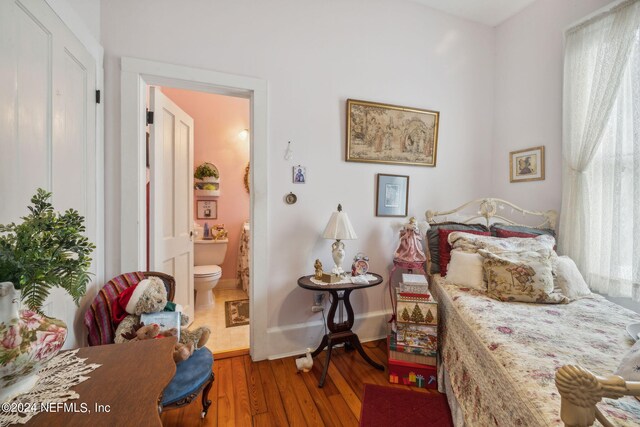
<point x="392" y="195"/>
<point x="207" y="209"/>
<point x="382" y="133"/>
<point x="526" y="165"/>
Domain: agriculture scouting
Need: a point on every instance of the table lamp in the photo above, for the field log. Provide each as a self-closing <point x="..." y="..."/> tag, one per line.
<point x="339" y="228"/>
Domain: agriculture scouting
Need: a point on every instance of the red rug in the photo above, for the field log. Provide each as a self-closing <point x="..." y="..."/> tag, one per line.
<point x="388" y="406"/>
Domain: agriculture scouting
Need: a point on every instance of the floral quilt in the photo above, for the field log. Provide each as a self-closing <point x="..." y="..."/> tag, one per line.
<point x="502" y="357"/>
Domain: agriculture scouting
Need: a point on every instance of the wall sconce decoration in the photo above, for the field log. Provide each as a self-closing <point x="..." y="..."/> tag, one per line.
<point x="288" y="153"/>
<point x="243" y="134"/>
<point x="246" y="177"/>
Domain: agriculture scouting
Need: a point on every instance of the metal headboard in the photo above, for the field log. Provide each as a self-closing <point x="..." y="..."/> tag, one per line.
<point x="488" y="209"/>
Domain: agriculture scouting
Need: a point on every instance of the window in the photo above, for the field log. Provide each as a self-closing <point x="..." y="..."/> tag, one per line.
<point x="613" y="178"/>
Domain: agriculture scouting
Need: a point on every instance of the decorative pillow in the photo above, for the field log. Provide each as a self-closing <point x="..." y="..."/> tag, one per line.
<point x="445" y="247"/>
<point x="521" y="229"/>
<point x="568" y="279"/>
<point x="468" y="243"/>
<point x="433" y="239"/>
<point x="629" y="368"/>
<point x="508" y="233"/>
<point x="465" y="270"/>
<point x="520" y="276"/>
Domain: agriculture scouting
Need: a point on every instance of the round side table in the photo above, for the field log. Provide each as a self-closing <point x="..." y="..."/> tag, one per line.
<point x="340" y="332"/>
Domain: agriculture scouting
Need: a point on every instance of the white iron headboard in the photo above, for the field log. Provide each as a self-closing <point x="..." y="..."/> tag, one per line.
<point x="488" y="209"/>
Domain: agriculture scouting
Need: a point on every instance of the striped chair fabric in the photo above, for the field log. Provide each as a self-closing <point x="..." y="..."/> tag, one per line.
<point x="98" y="318"/>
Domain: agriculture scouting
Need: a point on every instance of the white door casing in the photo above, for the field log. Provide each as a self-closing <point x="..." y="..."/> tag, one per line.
<point x="171" y="196"/>
<point x="48" y="129"/>
<point x="135" y="75"/>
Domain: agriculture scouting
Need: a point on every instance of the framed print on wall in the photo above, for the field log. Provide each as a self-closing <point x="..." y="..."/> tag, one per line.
<point x="383" y="133"/>
<point x="526" y="165"/>
<point x="392" y="195"/>
<point x="207" y="209"/>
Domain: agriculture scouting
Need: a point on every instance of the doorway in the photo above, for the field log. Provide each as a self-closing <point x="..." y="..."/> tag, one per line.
<point x="202" y="175"/>
<point x="136" y="75"/>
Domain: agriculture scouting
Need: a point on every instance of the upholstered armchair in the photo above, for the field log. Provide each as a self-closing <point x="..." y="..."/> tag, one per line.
<point x="193" y="376"/>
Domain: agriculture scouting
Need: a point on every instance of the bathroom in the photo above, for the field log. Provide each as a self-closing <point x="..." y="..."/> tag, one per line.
<point x="221" y="211"/>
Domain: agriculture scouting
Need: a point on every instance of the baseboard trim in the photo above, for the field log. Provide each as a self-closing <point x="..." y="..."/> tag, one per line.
<point x="285" y="341"/>
<point x="227" y="284"/>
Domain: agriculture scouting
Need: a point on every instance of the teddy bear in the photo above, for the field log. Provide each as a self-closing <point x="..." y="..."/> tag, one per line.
<point x="140" y="332"/>
<point x="150" y="296"/>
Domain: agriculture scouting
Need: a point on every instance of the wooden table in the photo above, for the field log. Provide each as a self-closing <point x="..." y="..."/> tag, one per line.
<point x="124" y="391"/>
<point x="340" y="332"/>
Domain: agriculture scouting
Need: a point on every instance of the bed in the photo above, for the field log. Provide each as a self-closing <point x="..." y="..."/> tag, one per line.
<point x="500" y="360"/>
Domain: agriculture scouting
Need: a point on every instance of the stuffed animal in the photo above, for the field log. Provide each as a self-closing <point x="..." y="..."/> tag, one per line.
<point x="140" y="332"/>
<point x="149" y="296"/>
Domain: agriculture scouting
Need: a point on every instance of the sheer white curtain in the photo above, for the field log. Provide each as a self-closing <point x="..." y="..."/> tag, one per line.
<point x="600" y="222"/>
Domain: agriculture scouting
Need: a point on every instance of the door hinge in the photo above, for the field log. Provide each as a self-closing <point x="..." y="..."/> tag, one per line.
<point x="149" y="117"/>
<point x="97" y="97"/>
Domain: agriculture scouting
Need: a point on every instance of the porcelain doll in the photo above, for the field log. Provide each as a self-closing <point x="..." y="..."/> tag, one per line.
<point x="410" y="247"/>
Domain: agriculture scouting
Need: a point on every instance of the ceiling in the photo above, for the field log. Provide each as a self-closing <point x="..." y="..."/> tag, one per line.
<point x="488" y="12"/>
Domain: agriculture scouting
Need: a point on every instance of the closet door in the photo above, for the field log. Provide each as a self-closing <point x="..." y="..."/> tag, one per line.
<point x="47" y="125"/>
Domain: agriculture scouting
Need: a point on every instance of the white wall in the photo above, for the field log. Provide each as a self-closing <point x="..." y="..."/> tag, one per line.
<point x="89" y="13"/>
<point x="528" y="96"/>
<point x="314" y="56"/>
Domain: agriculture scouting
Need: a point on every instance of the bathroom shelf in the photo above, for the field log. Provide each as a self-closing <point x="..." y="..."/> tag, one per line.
<point x="199" y="192"/>
<point x="207" y="193"/>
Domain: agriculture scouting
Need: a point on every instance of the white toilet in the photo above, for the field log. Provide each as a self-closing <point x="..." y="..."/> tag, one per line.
<point x="208" y="255"/>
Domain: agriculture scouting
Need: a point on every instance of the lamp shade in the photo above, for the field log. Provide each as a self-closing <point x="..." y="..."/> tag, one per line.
<point x="339" y="227"/>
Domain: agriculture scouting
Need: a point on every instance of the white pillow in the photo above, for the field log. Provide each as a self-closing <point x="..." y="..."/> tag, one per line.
<point x="465" y="270"/>
<point x="568" y="280"/>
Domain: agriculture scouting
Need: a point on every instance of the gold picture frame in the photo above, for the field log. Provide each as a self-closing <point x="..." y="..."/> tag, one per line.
<point x="385" y="133"/>
<point x="527" y="165"/>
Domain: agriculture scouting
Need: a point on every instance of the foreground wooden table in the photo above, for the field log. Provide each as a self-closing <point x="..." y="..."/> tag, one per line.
<point x="123" y="391"/>
<point x="340" y="332"/>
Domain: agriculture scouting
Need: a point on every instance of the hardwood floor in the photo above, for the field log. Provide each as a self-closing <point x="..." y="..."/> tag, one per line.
<point x="273" y="393"/>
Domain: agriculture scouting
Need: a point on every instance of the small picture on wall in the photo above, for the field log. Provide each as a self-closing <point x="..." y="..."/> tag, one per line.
<point x="207" y="209"/>
<point x="392" y="195"/>
<point x="526" y="165"/>
<point x="299" y="174"/>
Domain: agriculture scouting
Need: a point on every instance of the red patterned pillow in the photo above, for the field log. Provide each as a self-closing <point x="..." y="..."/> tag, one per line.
<point x="508" y="233"/>
<point x="445" y="247"/>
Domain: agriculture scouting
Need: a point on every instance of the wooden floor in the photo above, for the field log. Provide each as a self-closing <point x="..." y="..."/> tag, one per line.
<point x="272" y="393"/>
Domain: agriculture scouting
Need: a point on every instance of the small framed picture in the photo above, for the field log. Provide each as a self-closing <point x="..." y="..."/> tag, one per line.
<point x="299" y="174"/>
<point x="392" y="195"/>
<point x="526" y="165"/>
<point x="207" y="209"/>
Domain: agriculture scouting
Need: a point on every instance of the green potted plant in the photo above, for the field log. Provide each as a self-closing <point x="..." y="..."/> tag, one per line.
<point x="207" y="172"/>
<point x="47" y="249"/>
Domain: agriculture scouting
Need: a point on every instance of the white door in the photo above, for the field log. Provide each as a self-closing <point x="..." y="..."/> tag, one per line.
<point x="171" y="191"/>
<point x="47" y="127"/>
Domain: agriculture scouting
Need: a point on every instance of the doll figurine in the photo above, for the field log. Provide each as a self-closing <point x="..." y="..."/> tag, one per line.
<point x="318" y="267"/>
<point x="410" y="247"/>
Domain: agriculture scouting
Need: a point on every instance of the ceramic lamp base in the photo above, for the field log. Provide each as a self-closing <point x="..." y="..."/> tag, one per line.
<point x="337" y="254"/>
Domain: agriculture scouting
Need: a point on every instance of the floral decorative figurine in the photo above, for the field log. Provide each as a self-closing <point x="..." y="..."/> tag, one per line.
<point x="318" y="268"/>
<point x="410" y="248"/>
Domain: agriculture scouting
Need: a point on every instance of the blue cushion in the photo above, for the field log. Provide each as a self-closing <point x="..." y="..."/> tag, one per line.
<point x="189" y="377"/>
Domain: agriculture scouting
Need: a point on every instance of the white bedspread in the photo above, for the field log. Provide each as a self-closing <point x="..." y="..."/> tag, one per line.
<point x="502" y="356"/>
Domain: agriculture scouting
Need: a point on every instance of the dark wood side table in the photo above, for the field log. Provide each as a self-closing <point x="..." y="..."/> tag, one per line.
<point x="124" y="391"/>
<point x="339" y="332"/>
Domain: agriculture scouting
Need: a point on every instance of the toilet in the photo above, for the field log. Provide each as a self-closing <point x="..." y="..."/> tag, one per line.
<point x="208" y="255"/>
